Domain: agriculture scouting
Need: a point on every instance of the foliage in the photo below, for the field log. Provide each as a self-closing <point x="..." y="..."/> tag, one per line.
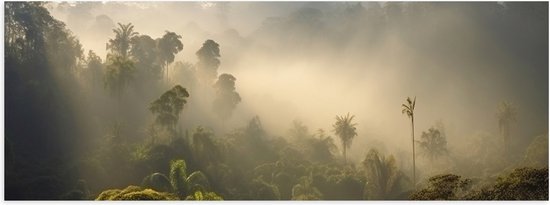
<point x="168" y="46"/>
<point x="226" y="96"/>
<point x="208" y="64"/>
<point x="168" y="107"/>
<point x="120" y="45"/>
<point x="263" y="190"/>
<point x="158" y="182"/>
<point x="204" y="196"/>
<point x="184" y="185"/>
<point x="94" y="68"/>
<point x="118" y="74"/>
<point x="443" y="187"/>
<point x="433" y="143"/>
<point x="384" y="179"/>
<point x="522" y="184"/>
<point x="134" y="193"/>
<point x="322" y="147"/>
<point x="345" y="130"/>
<point x="305" y="190"/>
<point x="536" y="154"/>
<point x="205" y="148"/>
<point x="145" y="52"/>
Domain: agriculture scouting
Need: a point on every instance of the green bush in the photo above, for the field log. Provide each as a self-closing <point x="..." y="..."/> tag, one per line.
<point x="135" y="193"/>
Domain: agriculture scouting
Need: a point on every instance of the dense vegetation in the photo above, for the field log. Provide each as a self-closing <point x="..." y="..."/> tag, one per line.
<point x="74" y="130"/>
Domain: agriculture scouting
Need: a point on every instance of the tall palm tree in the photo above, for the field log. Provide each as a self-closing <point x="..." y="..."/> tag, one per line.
<point x="409" y="110"/>
<point x="506" y="115"/>
<point x="121" y="43"/>
<point x="346" y="131"/>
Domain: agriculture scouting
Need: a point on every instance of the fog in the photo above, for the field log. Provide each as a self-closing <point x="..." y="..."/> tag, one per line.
<point x="454" y="64"/>
<point x="313" y="61"/>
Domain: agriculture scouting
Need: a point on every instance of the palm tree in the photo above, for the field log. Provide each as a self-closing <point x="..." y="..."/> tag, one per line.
<point x="506" y="115"/>
<point x="121" y="43"/>
<point x="384" y="179"/>
<point x="409" y="110"/>
<point x="346" y="131"/>
<point x="184" y="184"/>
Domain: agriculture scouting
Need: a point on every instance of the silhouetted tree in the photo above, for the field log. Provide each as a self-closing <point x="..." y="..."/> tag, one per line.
<point x="346" y="131"/>
<point x="384" y="179"/>
<point x="121" y="43"/>
<point x="298" y="132"/>
<point x="204" y="147"/>
<point x="94" y="68"/>
<point x="145" y="52"/>
<point x="208" y="64"/>
<point x="322" y="147"/>
<point x="168" y="107"/>
<point x="433" y="143"/>
<point x="168" y="46"/>
<point x="226" y="97"/>
<point x="409" y="110"/>
<point x="118" y="74"/>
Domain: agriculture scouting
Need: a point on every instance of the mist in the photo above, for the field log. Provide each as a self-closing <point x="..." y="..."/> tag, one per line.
<point x="313" y="61"/>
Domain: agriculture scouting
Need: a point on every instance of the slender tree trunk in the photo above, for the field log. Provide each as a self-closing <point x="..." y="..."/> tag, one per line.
<point x="345" y="159"/>
<point x="414" y="162"/>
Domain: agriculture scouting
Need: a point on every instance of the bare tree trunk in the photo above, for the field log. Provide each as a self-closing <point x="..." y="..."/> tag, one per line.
<point x="345" y="159"/>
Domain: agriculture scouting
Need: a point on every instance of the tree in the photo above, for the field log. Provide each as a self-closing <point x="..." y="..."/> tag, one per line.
<point x="384" y="179"/>
<point x="168" y="46"/>
<point x="305" y="190"/>
<point x="409" y="110"/>
<point x="168" y="107"/>
<point x="121" y="43"/>
<point x="298" y="132"/>
<point x="522" y="184"/>
<point x="145" y="52"/>
<point x="433" y="143"/>
<point x="444" y="187"/>
<point x="536" y="154"/>
<point x="94" y="68"/>
<point x="184" y="184"/>
<point x="346" y="131"/>
<point x="322" y="146"/>
<point x="208" y="64"/>
<point x="118" y="74"/>
<point x="204" y="147"/>
<point x="226" y="96"/>
<point x="506" y="114"/>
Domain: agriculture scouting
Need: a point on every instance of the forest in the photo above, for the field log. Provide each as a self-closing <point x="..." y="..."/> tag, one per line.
<point x="276" y="101"/>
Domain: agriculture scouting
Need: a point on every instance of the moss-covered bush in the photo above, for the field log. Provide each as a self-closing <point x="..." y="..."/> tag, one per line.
<point x="135" y="193"/>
